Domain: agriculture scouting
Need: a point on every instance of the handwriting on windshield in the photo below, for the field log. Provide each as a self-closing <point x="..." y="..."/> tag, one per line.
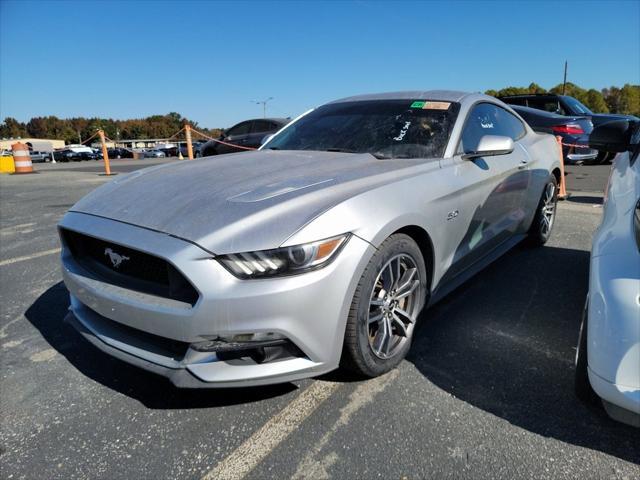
<point x="403" y="132"/>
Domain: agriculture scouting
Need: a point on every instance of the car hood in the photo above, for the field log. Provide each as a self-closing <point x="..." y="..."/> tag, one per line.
<point x="240" y="202"/>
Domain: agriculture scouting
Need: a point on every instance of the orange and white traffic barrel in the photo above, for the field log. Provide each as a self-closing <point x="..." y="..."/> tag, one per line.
<point x="21" y="158"/>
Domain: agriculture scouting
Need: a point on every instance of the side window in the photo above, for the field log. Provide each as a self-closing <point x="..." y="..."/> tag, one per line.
<point x="511" y="125"/>
<point x="488" y="119"/>
<point x="547" y="104"/>
<point x="240" y="129"/>
<point x="516" y="101"/>
<point x="261" y="126"/>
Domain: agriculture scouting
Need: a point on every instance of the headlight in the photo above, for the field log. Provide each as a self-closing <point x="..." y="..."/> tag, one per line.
<point x="285" y="260"/>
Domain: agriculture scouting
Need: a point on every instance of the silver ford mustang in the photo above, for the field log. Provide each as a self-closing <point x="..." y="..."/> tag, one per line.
<point x="318" y="250"/>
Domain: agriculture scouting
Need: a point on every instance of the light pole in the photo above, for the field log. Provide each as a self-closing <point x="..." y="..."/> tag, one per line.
<point x="264" y="105"/>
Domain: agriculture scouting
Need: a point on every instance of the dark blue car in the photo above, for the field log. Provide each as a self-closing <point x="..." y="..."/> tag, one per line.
<point x="574" y="131"/>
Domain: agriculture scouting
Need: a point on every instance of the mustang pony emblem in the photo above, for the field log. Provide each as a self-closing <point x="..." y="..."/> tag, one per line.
<point x="116" y="258"/>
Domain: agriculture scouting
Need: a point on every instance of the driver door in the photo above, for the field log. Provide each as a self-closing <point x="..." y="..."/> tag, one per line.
<point x="490" y="191"/>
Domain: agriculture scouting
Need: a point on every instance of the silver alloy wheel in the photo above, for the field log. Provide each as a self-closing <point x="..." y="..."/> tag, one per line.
<point x="548" y="209"/>
<point x="393" y="306"/>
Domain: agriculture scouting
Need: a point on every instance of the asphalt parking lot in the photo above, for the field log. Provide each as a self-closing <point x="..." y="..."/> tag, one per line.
<point x="486" y="392"/>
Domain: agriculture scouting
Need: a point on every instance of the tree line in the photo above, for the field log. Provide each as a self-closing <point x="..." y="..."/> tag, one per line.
<point x="79" y="129"/>
<point x="624" y="100"/>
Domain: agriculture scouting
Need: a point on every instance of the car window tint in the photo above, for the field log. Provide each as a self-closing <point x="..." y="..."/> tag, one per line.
<point x="516" y="101"/>
<point x="489" y="119"/>
<point x="240" y="129"/>
<point x="261" y="126"/>
<point x="546" y="104"/>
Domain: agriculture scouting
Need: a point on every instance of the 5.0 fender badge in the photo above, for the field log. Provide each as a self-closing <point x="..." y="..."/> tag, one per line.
<point x="452" y="215"/>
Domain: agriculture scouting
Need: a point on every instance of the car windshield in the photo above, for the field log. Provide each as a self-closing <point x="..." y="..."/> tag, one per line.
<point x="577" y="106"/>
<point x="384" y="128"/>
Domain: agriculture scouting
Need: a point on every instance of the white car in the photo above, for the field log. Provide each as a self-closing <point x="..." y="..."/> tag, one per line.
<point x="608" y="355"/>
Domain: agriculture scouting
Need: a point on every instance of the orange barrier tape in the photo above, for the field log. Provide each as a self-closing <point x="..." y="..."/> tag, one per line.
<point x="85" y="141"/>
<point x="574" y="145"/>
<point x="223" y="143"/>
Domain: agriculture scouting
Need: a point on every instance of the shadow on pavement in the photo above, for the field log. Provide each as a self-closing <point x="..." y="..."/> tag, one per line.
<point x="153" y="391"/>
<point x="505" y="343"/>
<point x="594" y="200"/>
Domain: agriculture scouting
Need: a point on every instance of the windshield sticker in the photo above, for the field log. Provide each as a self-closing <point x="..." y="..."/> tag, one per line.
<point x="417" y="104"/>
<point x="485" y="122"/>
<point x="403" y="132"/>
<point x="436" y="105"/>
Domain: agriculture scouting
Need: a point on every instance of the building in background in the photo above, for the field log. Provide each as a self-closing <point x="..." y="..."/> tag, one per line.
<point x="36" y="144"/>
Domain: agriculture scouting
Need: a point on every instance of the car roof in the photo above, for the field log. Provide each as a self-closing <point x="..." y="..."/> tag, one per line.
<point x="525" y="95"/>
<point x="270" y="119"/>
<point x="443" y="95"/>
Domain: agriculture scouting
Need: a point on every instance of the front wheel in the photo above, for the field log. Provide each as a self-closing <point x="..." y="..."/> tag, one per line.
<point x="385" y="308"/>
<point x="545" y="216"/>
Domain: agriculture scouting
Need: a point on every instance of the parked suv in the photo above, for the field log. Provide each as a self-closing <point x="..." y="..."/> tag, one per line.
<point x="39" y="156"/>
<point x="249" y="133"/>
<point x="565" y="105"/>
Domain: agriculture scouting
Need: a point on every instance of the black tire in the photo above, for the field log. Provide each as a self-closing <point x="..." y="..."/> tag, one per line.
<point x="538" y="232"/>
<point x="358" y="352"/>
<point x="582" y="385"/>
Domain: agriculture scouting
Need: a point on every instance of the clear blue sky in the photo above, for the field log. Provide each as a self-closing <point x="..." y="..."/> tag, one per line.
<point x="207" y="60"/>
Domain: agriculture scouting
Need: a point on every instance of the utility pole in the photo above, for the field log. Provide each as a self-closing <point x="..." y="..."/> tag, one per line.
<point x="264" y="105"/>
<point x="564" y="82"/>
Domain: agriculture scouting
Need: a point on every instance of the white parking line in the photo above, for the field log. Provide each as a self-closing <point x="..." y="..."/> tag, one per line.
<point x="245" y="458"/>
<point x="311" y="466"/>
<point x="9" y="261"/>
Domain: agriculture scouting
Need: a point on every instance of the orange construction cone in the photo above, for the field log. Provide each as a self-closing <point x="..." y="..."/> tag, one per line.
<point x="562" y="193"/>
<point x="21" y="158"/>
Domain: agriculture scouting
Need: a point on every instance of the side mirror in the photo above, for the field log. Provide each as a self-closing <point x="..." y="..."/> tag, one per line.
<point x="614" y="136"/>
<point x="489" y="146"/>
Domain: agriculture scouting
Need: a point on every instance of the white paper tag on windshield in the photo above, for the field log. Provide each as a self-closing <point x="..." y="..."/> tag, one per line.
<point x="436" y="105"/>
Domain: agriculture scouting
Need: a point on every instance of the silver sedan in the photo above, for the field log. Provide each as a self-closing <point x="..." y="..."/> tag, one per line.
<point x="319" y="250"/>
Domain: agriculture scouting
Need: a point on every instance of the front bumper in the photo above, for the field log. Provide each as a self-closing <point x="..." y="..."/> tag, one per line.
<point x="309" y="310"/>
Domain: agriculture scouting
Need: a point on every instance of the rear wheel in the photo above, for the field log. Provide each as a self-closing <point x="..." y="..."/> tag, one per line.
<point x="545" y="216"/>
<point x="385" y="308"/>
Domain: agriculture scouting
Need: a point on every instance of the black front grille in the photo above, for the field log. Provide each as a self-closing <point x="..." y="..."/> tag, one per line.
<point x="129" y="268"/>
